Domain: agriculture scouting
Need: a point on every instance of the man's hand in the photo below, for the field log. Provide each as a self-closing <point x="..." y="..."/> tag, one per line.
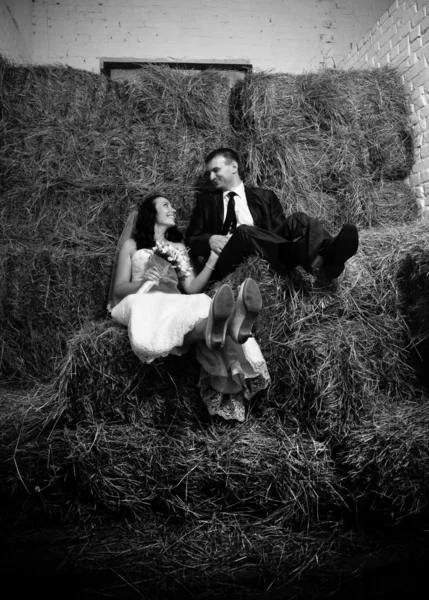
<point x="218" y="242"/>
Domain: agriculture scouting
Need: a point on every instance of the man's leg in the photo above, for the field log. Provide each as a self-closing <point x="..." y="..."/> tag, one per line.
<point x="334" y="254"/>
<point x="299" y="241"/>
<point x="306" y="236"/>
<point x="313" y="248"/>
<point x="248" y="240"/>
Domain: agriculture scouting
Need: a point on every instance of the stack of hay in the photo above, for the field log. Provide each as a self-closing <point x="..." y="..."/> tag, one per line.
<point x="335" y="144"/>
<point x="345" y="421"/>
<point x="78" y="153"/>
<point x="339" y="358"/>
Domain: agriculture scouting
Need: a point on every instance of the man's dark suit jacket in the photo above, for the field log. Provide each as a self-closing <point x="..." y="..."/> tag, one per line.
<point x="208" y="215"/>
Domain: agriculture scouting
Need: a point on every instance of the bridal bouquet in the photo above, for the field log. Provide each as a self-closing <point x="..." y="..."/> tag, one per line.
<point x="178" y="258"/>
<point x="171" y="264"/>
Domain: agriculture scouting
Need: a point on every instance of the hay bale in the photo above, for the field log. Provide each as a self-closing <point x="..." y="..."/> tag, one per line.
<point x="78" y="135"/>
<point x="47" y="293"/>
<point x="33" y="454"/>
<point x="76" y="173"/>
<point x="57" y="95"/>
<point x="384" y="460"/>
<point x="191" y="470"/>
<point x="372" y="104"/>
<point x="138" y="439"/>
<point x="164" y="97"/>
<point x="81" y="220"/>
<point x="414" y="289"/>
<point x="332" y="351"/>
<point x="72" y="173"/>
<point x="333" y="354"/>
<point x="220" y="557"/>
<point x="216" y="500"/>
<point x="152" y="132"/>
<point x="85" y="224"/>
<point x="336" y="371"/>
<point x="101" y="378"/>
<point x="372" y="203"/>
<point x="231" y="549"/>
<point x="324" y="132"/>
<point x="368" y="203"/>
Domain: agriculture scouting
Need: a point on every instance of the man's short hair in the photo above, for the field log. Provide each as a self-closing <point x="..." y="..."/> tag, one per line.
<point x="227" y="153"/>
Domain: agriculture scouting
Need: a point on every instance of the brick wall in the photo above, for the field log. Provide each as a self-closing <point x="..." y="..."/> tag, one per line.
<point x="400" y="38"/>
<point x="286" y="35"/>
<point x="16" y="30"/>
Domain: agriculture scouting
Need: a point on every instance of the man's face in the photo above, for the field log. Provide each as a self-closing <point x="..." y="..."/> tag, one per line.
<point x="222" y="173"/>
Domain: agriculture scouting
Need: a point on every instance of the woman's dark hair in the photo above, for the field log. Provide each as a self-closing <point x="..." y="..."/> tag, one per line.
<point x="145" y="225"/>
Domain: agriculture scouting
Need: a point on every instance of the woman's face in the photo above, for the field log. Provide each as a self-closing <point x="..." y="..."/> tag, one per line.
<point x="165" y="213"/>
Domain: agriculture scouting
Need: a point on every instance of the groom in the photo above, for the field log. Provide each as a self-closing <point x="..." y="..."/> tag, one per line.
<point x="236" y="222"/>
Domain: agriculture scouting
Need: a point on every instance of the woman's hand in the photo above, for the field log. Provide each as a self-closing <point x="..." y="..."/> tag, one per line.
<point x="152" y="274"/>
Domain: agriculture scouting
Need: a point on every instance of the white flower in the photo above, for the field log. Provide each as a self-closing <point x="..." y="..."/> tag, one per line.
<point x="178" y="258"/>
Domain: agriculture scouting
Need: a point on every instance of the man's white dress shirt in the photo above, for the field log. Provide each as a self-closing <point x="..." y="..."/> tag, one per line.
<point x="242" y="211"/>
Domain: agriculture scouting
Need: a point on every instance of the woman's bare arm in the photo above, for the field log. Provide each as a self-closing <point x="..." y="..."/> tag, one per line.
<point x="195" y="284"/>
<point x="123" y="286"/>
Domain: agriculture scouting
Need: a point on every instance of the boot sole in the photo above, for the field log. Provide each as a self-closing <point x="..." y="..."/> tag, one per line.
<point x="251" y="298"/>
<point x="220" y="311"/>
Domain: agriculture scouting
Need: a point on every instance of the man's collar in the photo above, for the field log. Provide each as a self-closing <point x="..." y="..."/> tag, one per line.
<point x="239" y="190"/>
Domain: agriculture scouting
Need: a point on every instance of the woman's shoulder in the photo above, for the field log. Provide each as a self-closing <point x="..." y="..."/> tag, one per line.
<point x="129" y="246"/>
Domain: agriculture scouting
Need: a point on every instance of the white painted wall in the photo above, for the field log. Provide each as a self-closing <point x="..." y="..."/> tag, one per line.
<point x="284" y="35"/>
<point x="16" y="30"/>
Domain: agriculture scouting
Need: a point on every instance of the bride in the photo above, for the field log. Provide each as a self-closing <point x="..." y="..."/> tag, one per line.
<point x="158" y="296"/>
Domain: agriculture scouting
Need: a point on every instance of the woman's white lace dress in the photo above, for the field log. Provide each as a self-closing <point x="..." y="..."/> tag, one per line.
<point x="157" y="323"/>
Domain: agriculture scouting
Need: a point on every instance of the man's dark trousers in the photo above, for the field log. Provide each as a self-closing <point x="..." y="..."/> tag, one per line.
<point x="295" y="242"/>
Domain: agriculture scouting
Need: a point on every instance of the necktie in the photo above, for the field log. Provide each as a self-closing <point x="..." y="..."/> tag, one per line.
<point x="230" y="222"/>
